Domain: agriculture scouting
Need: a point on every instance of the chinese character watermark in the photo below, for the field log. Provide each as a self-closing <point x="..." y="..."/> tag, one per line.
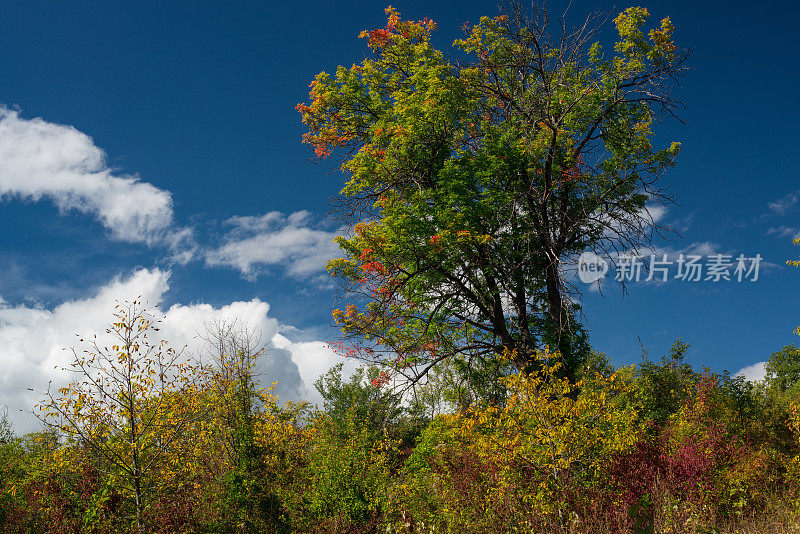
<point x="661" y="268"/>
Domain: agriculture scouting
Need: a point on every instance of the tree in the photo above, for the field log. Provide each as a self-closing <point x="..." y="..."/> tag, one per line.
<point x="238" y="406"/>
<point x="474" y="185"/>
<point x="234" y="349"/>
<point x="363" y="394"/>
<point x="6" y="430"/>
<point x="783" y="369"/>
<point x="129" y="403"/>
<point x="350" y="459"/>
<point x="663" y="387"/>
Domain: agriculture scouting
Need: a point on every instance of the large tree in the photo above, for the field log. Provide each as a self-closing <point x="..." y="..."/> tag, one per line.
<point x="474" y="183"/>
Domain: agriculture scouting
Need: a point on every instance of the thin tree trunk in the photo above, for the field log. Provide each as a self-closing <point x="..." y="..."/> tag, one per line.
<point x="137" y="491"/>
<point x="555" y="302"/>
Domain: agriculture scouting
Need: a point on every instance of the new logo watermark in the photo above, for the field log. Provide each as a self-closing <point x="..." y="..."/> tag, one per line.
<point x="661" y="268"/>
<point x="591" y="268"/>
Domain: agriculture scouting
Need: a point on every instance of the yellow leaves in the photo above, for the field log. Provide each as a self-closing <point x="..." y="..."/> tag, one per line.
<point x="635" y="48"/>
<point x="548" y="424"/>
<point x="794" y="263"/>
<point x="394" y="16"/>
<point x="661" y="38"/>
<point x="629" y="21"/>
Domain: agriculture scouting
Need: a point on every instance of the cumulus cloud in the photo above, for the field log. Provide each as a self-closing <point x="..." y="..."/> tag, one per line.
<point x="43" y="160"/>
<point x="754" y="373"/>
<point x="313" y="358"/>
<point x="186" y="325"/>
<point x="34" y="341"/>
<point x="254" y="243"/>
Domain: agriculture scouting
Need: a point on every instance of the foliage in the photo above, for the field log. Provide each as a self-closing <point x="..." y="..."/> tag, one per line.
<point x="653" y="447"/>
<point x="362" y="397"/>
<point x="349" y="472"/>
<point x="480" y="181"/>
<point x="794" y="263"/>
<point x="664" y="386"/>
<point x="783" y="370"/>
<point x="527" y="462"/>
<point x="242" y="416"/>
<point x="128" y="406"/>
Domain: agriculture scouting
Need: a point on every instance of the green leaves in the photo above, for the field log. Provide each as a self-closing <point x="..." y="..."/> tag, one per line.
<point x="474" y="184"/>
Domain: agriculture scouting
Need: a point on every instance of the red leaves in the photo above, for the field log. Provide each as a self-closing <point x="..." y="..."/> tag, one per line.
<point x="382" y="378"/>
<point x="374" y="267"/>
<point x="382" y="37"/>
<point x="366" y="254"/>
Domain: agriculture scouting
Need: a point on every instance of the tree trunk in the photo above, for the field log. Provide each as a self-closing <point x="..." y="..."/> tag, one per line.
<point x="137" y="492"/>
<point x="558" y="315"/>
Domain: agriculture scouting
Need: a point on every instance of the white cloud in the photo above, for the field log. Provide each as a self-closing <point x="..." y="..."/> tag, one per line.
<point x="33" y="341"/>
<point x="784" y="231"/>
<point x="40" y="159"/>
<point x="753" y="373"/>
<point x="183" y="323"/>
<point x="314" y="358"/>
<point x="782" y="205"/>
<point x="703" y="248"/>
<point x="274" y="239"/>
<point x="684" y="223"/>
<point x="642" y="221"/>
<point x="654" y="212"/>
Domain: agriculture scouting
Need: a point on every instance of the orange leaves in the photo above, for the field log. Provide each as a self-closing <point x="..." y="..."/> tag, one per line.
<point x="397" y="28"/>
<point x="572" y="174"/>
<point x="351" y="310"/>
<point x="375" y="267"/>
<point x="394" y="17"/>
<point x="381" y="37"/>
<point x="366" y="254"/>
<point x="321" y="150"/>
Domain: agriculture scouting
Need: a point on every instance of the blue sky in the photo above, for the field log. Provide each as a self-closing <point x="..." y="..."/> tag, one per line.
<point x="195" y="100"/>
